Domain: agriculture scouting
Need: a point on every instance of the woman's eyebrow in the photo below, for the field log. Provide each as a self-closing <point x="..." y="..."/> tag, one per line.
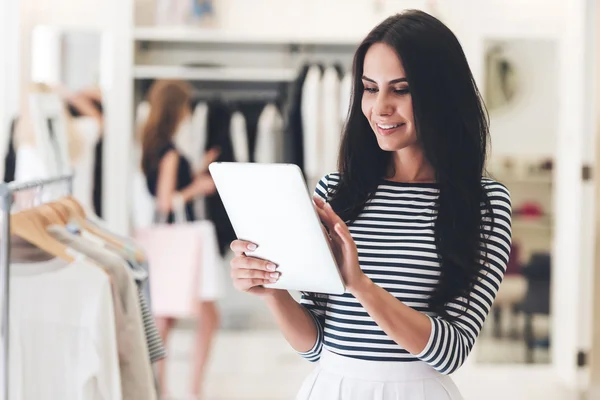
<point x="390" y="82"/>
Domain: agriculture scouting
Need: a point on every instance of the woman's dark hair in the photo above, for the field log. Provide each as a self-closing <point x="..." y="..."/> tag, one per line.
<point x="452" y="128"/>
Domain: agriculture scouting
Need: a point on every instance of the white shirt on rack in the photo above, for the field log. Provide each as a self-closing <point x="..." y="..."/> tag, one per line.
<point x="62" y="333"/>
<point x="345" y="96"/>
<point x="331" y="128"/>
<point x="30" y="166"/>
<point x="269" y="136"/>
<point x="311" y="123"/>
<point x="239" y="137"/>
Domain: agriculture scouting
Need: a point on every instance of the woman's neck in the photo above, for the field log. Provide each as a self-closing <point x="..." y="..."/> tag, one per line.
<point x="410" y="165"/>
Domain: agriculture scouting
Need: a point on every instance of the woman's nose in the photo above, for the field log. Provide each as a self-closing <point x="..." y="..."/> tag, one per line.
<point x="383" y="105"/>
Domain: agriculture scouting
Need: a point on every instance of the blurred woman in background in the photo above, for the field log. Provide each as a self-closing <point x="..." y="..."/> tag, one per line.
<point x="172" y="182"/>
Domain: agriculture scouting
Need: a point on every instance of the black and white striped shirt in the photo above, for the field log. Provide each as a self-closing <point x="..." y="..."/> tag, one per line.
<point x="394" y="235"/>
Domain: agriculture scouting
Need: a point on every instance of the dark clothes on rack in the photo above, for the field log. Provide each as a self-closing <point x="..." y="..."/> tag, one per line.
<point x="10" y="161"/>
<point x="252" y="111"/>
<point x="184" y="179"/>
<point x="293" y="132"/>
<point x="218" y="129"/>
<point x="97" y="190"/>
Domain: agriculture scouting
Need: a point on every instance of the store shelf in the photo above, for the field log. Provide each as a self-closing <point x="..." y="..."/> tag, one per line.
<point x="526" y="223"/>
<point x="200" y="35"/>
<point x="527" y="180"/>
<point x="214" y="73"/>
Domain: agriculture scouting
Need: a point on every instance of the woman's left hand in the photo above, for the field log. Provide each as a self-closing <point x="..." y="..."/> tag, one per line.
<point x="342" y="244"/>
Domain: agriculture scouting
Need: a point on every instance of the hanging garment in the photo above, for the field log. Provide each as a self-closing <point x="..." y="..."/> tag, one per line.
<point x="11" y="157"/>
<point x="239" y="137"/>
<point x="269" y="138"/>
<point x="136" y="373"/>
<point x="345" y="96"/>
<point x="197" y="145"/>
<point x="331" y="131"/>
<point x="142" y="203"/>
<point x="252" y="111"/>
<point x="139" y="273"/>
<point x="98" y="163"/>
<point x="294" y="130"/>
<point x="311" y="124"/>
<point x="218" y="127"/>
<point x="83" y="180"/>
<point x="199" y="135"/>
<point x="29" y="166"/>
<point x="133" y="251"/>
<point x="343" y="378"/>
<point x="62" y="333"/>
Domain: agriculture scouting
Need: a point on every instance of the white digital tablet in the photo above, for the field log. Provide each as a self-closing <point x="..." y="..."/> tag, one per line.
<point x="270" y="205"/>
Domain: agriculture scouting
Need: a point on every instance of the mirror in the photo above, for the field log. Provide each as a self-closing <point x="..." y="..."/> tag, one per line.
<point x="522" y="100"/>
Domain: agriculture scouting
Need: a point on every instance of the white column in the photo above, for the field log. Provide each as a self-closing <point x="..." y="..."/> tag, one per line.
<point x="117" y="85"/>
<point x="574" y="134"/>
<point x="9" y="70"/>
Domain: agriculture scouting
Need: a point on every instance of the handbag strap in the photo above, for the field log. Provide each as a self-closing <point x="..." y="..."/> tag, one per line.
<point x="178" y="209"/>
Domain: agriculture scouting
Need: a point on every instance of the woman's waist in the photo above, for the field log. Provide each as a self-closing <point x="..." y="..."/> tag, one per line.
<point x="369" y="368"/>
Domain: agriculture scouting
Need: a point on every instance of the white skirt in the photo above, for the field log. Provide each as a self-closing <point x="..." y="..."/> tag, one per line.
<point x="342" y="378"/>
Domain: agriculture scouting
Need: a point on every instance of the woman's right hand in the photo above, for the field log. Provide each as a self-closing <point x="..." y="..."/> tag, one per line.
<point x="249" y="274"/>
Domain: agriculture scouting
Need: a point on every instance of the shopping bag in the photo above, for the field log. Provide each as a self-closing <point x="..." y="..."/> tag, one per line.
<point x="174" y="253"/>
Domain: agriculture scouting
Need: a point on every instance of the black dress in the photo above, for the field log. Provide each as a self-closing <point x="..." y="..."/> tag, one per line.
<point x="184" y="179"/>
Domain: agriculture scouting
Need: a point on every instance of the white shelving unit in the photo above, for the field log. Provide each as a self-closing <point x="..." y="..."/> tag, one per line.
<point x="214" y="73"/>
<point x="203" y="35"/>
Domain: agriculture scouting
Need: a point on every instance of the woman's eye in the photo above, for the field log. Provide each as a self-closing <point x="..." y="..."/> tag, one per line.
<point x="371" y="90"/>
<point x="402" y="91"/>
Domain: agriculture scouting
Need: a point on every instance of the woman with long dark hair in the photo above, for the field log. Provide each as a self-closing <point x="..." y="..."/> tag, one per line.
<point x="420" y="235"/>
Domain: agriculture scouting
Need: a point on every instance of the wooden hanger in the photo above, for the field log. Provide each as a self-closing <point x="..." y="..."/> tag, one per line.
<point x="78" y="214"/>
<point x="61" y="211"/>
<point x="31" y="225"/>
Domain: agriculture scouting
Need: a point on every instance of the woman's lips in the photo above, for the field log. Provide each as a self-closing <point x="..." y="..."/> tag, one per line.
<point x="388" y="129"/>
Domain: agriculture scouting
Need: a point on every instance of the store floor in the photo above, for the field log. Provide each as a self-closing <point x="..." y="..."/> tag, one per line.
<point x="259" y="365"/>
<point x="252" y="361"/>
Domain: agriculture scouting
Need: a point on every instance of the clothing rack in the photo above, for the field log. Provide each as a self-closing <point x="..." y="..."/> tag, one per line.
<point x="7" y="190"/>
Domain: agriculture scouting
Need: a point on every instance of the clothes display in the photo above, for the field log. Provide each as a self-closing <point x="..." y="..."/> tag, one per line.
<point x="239" y="138"/>
<point x="38" y="159"/>
<point x="61" y="348"/>
<point x="11" y="158"/>
<point x="312" y="124"/>
<point x="80" y="321"/>
<point x="396" y="245"/>
<point x="269" y="146"/>
<point x="331" y="130"/>
<point x="294" y="129"/>
<point x="84" y="179"/>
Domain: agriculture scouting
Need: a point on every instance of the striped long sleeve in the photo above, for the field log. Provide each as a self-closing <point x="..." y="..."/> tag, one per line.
<point x="395" y="238"/>
<point x="450" y="342"/>
<point x="314" y="303"/>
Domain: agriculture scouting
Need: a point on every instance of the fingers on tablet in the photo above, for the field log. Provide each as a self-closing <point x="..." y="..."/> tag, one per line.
<point x="241" y="246"/>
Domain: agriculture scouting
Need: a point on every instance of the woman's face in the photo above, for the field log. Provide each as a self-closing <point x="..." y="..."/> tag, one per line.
<point x="386" y="100"/>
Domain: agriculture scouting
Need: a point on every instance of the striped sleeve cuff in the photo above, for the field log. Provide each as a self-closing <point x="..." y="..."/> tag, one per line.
<point x="314" y="354"/>
<point x="426" y="353"/>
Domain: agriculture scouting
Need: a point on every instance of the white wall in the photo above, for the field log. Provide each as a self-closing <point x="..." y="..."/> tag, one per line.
<point x="114" y="19"/>
<point x="9" y="70"/>
<point x="527" y="126"/>
<point x="572" y="253"/>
